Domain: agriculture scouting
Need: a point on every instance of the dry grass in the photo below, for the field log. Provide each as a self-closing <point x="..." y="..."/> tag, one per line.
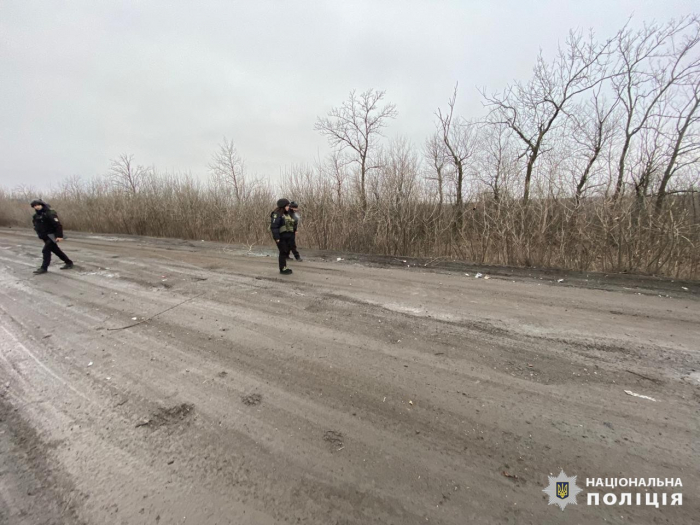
<point x="403" y="218"/>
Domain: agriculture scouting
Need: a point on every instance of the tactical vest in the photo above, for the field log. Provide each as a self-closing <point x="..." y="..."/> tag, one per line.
<point x="288" y="226"/>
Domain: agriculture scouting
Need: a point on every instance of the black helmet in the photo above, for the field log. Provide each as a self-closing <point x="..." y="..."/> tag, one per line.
<point x="38" y="201"/>
<point x="293" y="205"/>
<point x="282" y="203"/>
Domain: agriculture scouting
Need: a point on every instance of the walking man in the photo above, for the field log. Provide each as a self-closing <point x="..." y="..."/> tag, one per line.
<point x="48" y="228"/>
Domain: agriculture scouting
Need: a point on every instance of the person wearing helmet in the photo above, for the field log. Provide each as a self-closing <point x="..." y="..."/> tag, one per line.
<point x="283" y="227"/>
<point x="294" y="211"/>
<point x="48" y="228"/>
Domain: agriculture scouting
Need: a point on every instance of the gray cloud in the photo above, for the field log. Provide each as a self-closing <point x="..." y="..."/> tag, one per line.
<point x="84" y="82"/>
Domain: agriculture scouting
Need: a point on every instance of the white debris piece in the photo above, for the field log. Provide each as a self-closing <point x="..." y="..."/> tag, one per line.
<point x="479" y="275"/>
<point x="630" y="393"/>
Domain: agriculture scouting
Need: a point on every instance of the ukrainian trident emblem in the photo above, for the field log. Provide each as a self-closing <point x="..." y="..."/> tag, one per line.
<point x="562" y="490"/>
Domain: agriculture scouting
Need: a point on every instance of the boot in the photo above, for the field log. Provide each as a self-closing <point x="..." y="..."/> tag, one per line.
<point x="67" y="266"/>
<point x="286" y="271"/>
<point x="39" y="271"/>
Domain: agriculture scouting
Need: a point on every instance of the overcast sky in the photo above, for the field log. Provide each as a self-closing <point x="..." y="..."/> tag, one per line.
<point x="84" y="81"/>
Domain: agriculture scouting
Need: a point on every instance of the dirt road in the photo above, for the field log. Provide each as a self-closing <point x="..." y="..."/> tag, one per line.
<point x="184" y="382"/>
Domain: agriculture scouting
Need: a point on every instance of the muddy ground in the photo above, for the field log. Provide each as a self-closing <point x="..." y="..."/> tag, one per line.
<point x="167" y="381"/>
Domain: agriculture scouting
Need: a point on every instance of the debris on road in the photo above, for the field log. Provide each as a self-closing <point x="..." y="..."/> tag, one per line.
<point x="252" y="400"/>
<point x="479" y="275"/>
<point x="560" y="280"/>
<point x="630" y="393"/>
<point x="167" y="416"/>
<point x="334" y="438"/>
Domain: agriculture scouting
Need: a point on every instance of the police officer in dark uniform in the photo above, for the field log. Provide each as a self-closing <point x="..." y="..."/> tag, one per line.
<point x="49" y="230"/>
<point x="283" y="228"/>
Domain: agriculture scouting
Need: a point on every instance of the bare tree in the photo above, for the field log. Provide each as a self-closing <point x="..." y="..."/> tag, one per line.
<point x="228" y="169"/>
<point x="337" y="165"/>
<point x="651" y="62"/>
<point x="434" y="151"/>
<point x="496" y="159"/>
<point x="458" y="137"/>
<point x="593" y="129"/>
<point x="684" y="137"/>
<point x="26" y="193"/>
<point x="357" y="125"/>
<point x="648" y="157"/>
<point x="397" y="192"/>
<point x="126" y="175"/>
<point x="533" y="109"/>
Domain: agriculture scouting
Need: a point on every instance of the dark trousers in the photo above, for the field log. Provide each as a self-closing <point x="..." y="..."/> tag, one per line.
<point x="284" y="246"/>
<point x="293" y="247"/>
<point x="50" y="246"/>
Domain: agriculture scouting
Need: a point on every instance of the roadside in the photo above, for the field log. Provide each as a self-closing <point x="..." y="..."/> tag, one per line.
<point x="170" y="381"/>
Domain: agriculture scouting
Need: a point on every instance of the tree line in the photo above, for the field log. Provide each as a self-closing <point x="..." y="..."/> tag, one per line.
<point x="590" y="164"/>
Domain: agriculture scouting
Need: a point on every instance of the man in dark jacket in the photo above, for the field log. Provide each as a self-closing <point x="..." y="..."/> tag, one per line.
<point x="294" y="212"/>
<point x="283" y="226"/>
<point x="49" y="229"/>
